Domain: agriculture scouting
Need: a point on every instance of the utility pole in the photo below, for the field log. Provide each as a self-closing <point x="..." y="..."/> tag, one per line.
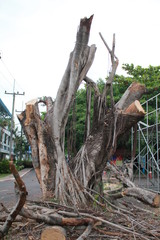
<point x="12" y="119"/>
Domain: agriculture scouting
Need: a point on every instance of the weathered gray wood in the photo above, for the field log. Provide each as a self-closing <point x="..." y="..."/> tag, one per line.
<point x="131" y="189"/>
<point x="46" y="137"/>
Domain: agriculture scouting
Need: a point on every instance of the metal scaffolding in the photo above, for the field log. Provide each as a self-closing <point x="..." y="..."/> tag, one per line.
<point x="147" y="160"/>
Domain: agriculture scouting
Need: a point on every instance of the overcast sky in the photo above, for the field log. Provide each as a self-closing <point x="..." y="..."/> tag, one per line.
<point x="37" y="36"/>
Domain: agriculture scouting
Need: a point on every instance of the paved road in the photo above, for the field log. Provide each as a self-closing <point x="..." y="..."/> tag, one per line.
<point x="7" y="195"/>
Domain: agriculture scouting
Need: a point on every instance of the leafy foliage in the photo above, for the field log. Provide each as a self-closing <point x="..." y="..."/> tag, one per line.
<point x="21" y="144"/>
<point x="5" y="122"/>
<point x="4" y="166"/>
<point x="149" y="76"/>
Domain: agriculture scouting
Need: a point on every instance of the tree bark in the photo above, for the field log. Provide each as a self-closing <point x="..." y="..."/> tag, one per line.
<point x="43" y="148"/>
<point x="47" y="137"/>
<point x="146" y="196"/>
<point x="20" y="202"/>
<point x="101" y="143"/>
<point x="57" y="179"/>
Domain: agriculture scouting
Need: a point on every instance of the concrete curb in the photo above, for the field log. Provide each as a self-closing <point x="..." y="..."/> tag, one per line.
<point x="11" y="178"/>
<point x="26" y="172"/>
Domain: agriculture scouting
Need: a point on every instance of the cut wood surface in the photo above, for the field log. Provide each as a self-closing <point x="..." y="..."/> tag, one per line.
<point x="53" y="233"/>
<point x="135" y="108"/>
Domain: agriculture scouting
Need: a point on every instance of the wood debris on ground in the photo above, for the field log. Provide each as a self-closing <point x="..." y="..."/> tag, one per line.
<point x="129" y="219"/>
<point x="105" y="218"/>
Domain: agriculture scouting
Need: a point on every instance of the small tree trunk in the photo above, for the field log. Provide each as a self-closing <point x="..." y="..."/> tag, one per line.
<point x="88" y="111"/>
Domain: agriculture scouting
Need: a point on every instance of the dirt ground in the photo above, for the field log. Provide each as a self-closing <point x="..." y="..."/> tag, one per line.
<point x="132" y="219"/>
<point x="136" y="216"/>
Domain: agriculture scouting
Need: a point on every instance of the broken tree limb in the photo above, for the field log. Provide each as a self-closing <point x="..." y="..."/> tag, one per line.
<point x="146" y="196"/>
<point x="151" y="198"/>
<point x="53" y="218"/>
<point x="134" y="92"/>
<point x="110" y="79"/>
<point x="86" y="232"/>
<point x="19" y="205"/>
<point x="93" y="85"/>
<point x="130" y="217"/>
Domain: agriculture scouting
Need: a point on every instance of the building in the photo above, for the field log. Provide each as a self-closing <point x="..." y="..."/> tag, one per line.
<point x="4" y="132"/>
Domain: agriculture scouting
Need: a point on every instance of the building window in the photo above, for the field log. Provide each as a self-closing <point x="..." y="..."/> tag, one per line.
<point x="5" y="138"/>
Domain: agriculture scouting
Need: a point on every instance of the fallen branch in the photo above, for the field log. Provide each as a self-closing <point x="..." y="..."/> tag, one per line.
<point x="122" y="228"/>
<point x="20" y="203"/>
<point x="146" y="196"/>
<point x="55" y="219"/>
<point x="129" y="225"/>
<point x="151" y="198"/>
<point x="86" y="233"/>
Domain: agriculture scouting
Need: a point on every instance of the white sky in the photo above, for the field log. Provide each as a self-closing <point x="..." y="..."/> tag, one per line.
<point x="37" y="36"/>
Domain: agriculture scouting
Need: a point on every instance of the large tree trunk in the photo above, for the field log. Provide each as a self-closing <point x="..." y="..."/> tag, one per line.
<point x="46" y="137"/>
<point x="101" y="143"/>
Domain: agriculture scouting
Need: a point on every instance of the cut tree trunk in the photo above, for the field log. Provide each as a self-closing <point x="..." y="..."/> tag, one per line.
<point x="43" y="150"/>
<point x="146" y="196"/>
<point x="53" y="233"/>
<point x="101" y="143"/>
<point x="67" y="183"/>
<point x="46" y="138"/>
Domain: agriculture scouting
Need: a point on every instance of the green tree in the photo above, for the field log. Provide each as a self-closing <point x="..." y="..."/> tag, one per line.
<point x="21" y="144"/>
<point x="148" y="76"/>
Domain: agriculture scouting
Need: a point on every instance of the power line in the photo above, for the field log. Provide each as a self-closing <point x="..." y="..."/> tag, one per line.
<point x="6" y="66"/>
<point x="9" y="72"/>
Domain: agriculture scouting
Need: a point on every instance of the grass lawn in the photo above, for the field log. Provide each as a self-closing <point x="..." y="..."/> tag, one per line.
<point x="4" y="175"/>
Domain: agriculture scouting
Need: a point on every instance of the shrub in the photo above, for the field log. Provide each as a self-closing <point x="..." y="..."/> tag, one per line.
<point x="24" y="163"/>
<point x="27" y="164"/>
<point x="4" y="166"/>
